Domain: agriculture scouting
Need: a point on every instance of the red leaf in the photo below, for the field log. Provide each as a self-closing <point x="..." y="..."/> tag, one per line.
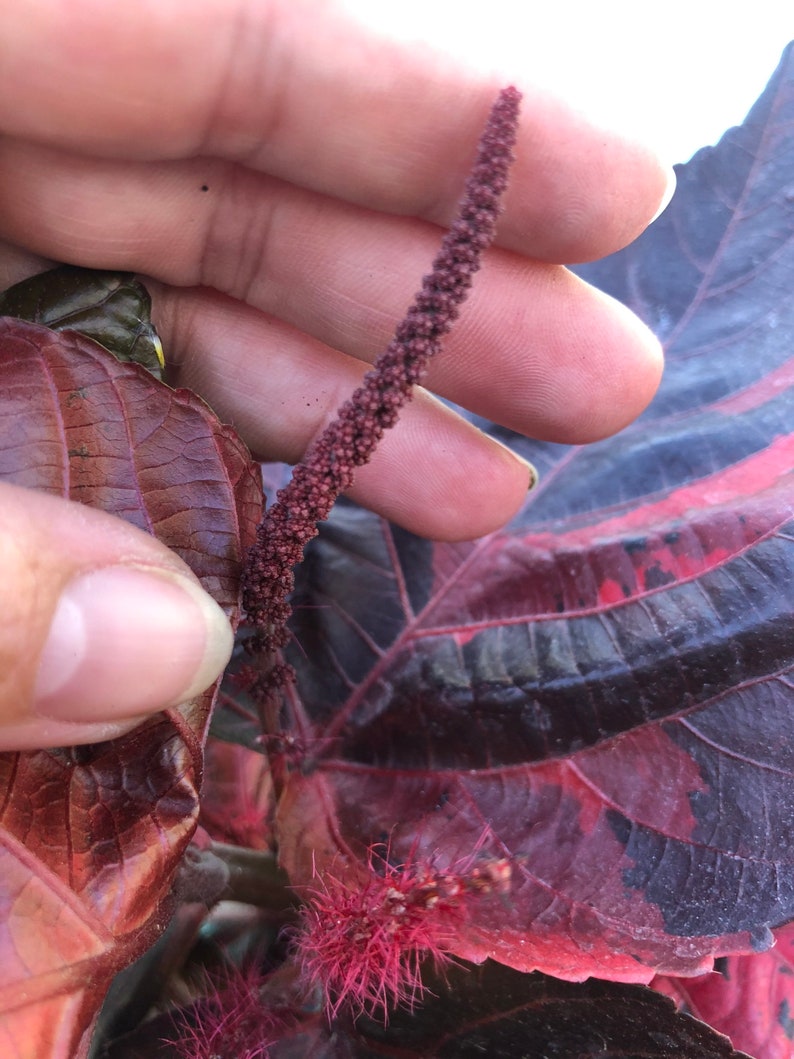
<point x="236" y="796"/>
<point x="750" y="1000"/>
<point x="90" y="839"/>
<point x="602" y="693"/>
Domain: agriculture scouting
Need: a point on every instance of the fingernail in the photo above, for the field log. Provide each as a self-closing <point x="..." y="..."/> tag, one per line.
<point x="127" y="641"/>
<point x="529" y="469"/>
<point x="669" y="191"/>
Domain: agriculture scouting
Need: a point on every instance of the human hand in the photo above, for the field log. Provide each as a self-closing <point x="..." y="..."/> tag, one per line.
<point x="278" y="176"/>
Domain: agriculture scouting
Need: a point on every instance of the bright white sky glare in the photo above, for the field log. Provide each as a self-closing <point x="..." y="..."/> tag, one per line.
<point x="676" y="73"/>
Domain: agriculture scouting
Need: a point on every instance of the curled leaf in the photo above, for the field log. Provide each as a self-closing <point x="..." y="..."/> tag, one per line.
<point x="113" y="308"/>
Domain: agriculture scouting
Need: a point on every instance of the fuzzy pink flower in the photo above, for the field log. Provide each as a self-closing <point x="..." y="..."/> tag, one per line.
<point x="229" y="1022"/>
<point x="328" y="467"/>
<point x="363" y="944"/>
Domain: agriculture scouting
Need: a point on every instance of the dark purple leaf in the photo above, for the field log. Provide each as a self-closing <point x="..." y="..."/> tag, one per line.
<point x="495" y="1011"/>
<point x="602" y="693"/>
<point x="113" y="308"/>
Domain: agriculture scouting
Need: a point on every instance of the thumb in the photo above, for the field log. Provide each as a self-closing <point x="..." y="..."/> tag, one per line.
<point x="100" y="624"/>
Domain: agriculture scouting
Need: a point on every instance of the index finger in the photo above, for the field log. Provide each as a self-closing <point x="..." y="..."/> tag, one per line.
<point x="300" y="90"/>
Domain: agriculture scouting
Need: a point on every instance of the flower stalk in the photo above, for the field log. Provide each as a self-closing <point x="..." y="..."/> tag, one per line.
<point x="329" y="466"/>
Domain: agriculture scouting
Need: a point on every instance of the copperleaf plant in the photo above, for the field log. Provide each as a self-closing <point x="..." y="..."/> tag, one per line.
<point x="597" y="700"/>
<point x="601" y="692"/>
<point x="564" y="748"/>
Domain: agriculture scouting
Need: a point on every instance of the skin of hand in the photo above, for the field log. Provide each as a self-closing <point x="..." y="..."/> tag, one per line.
<point x="279" y="175"/>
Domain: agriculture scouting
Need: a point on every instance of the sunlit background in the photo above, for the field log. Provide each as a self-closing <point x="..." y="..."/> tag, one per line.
<point x="678" y="74"/>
